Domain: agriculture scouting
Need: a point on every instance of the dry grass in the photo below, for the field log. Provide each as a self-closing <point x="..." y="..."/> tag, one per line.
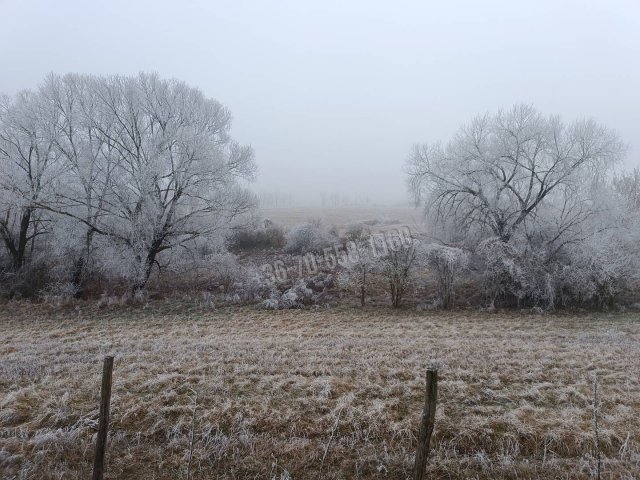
<point x="388" y="216"/>
<point x="274" y="388"/>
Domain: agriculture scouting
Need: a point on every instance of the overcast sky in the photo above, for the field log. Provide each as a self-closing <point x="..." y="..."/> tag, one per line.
<point x="333" y="94"/>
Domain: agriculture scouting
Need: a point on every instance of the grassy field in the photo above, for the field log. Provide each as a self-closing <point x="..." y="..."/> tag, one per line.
<point x="378" y="216"/>
<point x="315" y="394"/>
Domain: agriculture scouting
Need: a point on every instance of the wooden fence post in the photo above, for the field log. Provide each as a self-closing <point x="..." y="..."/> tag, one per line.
<point x="103" y="425"/>
<point x="426" y="426"/>
<point x="596" y="436"/>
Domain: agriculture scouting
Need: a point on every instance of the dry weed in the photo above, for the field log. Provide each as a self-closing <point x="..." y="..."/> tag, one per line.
<point x="289" y="393"/>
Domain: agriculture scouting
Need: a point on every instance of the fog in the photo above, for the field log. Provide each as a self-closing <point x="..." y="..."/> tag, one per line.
<point x="332" y="96"/>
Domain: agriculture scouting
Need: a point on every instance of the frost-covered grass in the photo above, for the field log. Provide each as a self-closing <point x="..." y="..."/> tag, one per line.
<point x="515" y="392"/>
<point x="378" y="216"/>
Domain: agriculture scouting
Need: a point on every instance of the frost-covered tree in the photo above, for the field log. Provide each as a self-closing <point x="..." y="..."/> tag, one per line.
<point x="525" y="192"/>
<point x="89" y="162"/>
<point x="501" y="172"/>
<point x="132" y="168"/>
<point x="28" y="163"/>
<point x="179" y="171"/>
<point x="150" y="165"/>
<point x="627" y="184"/>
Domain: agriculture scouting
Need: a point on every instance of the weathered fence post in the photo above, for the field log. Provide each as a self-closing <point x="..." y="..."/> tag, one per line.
<point x="426" y="426"/>
<point x="103" y="424"/>
<point x="596" y="436"/>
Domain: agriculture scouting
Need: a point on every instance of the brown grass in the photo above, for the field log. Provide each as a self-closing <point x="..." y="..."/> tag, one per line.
<point x="342" y="216"/>
<point x="274" y="388"/>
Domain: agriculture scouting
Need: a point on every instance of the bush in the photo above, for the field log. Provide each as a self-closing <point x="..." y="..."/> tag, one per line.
<point x="269" y="236"/>
<point x="28" y="282"/>
<point x="357" y="232"/>
<point x="226" y="270"/>
<point x="508" y="273"/>
<point x="593" y="275"/>
<point x="59" y="292"/>
<point x="446" y="262"/>
<point x="308" y="237"/>
<point x="256" y="285"/>
<point x="305" y="292"/>
<point x="397" y="268"/>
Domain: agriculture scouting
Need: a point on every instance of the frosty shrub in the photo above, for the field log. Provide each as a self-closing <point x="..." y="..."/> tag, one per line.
<point x="270" y="304"/>
<point x="256" y="285"/>
<point x="58" y="292"/>
<point x="596" y="271"/>
<point x="447" y="262"/>
<point x="29" y="281"/>
<point x="397" y="267"/>
<point x="305" y="292"/>
<point x="225" y="270"/>
<point x="207" y="301"/>
<point x="357" y="232"/>
<point x="360" y="268"/>
<point x="502" y="275"/>
<point x="308" y="237"/>
<point x="514" y="274"/>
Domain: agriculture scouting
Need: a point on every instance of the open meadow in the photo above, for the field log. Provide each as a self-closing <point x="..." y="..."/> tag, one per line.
<point x="375" y="215"/>
<point x="303" y="394"/>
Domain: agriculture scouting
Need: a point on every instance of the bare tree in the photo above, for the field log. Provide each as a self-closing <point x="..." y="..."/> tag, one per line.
<point x="501" y="171"/>
<point x="150" y="165"/>
<point x="178" y="170"/>
<point x="28" y="165"/>
<point x="627" y="184"/>
<point x="88" y="159"/>
<point x="519" y="188"/>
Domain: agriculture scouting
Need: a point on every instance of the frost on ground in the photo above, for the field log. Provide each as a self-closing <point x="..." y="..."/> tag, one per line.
<point x="280" y="390"/>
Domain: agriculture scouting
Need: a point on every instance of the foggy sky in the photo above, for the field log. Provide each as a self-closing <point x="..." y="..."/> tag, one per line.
<point x="332" y="95"/>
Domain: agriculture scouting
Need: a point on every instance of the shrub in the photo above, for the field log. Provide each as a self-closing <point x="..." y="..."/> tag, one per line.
<point x="357" y="232"/>
<point x="447" y="262"/>
<point x="268" y="236"/>
<point x="27" y="282"/>
<point x="308" y="237"/>
<point x="360" y="267"/>
<point x="592" y="275"/>
<point x="59" y="292"/>
<point x="256" y="285"/>
<point x="305" y="292"/>
<point x="226" y="270"/>
<point x="397" y="268"/>
<point x="505" y="273"/>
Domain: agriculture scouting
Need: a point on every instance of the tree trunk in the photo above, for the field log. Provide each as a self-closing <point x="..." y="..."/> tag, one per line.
<point x="23" y="237"/>
<point x="80" y="266"/>
<point x="148" y="267"/>
<point x="17" y="246"/>
<point x="396" y="295"/>
<point x="78" y="269"/>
